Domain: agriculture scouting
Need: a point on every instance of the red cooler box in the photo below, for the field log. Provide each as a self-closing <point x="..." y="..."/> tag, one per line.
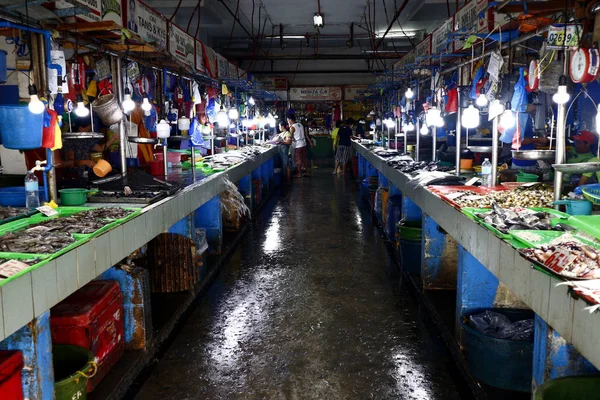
<point x="11" y="364"/>
<point x="92" y="317"/>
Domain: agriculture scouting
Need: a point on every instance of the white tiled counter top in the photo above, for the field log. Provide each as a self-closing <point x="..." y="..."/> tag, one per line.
<point x="536" y="289"/>
<point x="32" y="294"/>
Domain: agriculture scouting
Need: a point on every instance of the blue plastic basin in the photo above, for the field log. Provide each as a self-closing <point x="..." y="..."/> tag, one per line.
<point x="20" y="129"/>
<point x="14" y="196"/>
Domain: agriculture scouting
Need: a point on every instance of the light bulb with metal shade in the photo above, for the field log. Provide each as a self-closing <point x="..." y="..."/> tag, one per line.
<point x="318" y="20"/>
<point x="146" y="106"/>
<point x="128" y="104"/>
<point x="470" y="117"/>
<point x="222" y="118"/>
<point x="35" y="104"/>
<point x="233" y="113"/>
<point x="481" y="101"/>
<point x="561" y="96"/>
<point x="81" y="110"/>
<point x="409" y="93"/>
<point x="507" y="119"/>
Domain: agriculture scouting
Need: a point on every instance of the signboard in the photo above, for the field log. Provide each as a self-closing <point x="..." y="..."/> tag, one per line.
<point x="199" y="57"/>
<point x="440" y="42"/>
<point x="423" y="49"/>
<point x="181" y="45"/>
<point x="355" y="92"/>
<point x="222" y="66"/>
<point x="101" y="10"/>
<point x="149" y="24"/>
<point x="281" y="94"/>
<point x="561" y="35"/>
<point x="316" y="93"/>
<point x="210" y="60"/>
<point x="233" y="71"/>
<point x="275" y="83"/>
<point x="471" y="18"/>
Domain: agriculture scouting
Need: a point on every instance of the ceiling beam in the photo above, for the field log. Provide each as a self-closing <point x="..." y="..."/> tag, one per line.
<point x="317" y="57"/>
<point x="337" y="72"/>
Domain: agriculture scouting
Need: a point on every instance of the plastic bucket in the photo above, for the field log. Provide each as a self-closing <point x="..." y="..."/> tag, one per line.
<point x="156" y="168"/>
<point x="73" y="197"/>
<point x="410" y="210"/>
<point x="108" y="109"/>
<point x="569" y="388"/>
<point x="409" y="243"/>
<point x="525" y="177"/>
<point x="20" y="129"/>
<point x="73" y="366"/>
<point x="394" y="209"/>
<point x="14" y="196"/>
<point x="102" y="168"/>
<point x="3" y="75"/>
<point x="501" y="363"/>
<point x="466" y="164"/>
<point x="576" y="207"/>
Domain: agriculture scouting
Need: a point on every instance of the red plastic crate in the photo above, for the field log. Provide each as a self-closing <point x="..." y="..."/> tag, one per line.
<point x="92" y="317"/>
<point x="11" y="364"/>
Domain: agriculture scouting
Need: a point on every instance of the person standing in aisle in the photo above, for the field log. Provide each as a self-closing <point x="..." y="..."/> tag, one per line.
<point x="334" y="138"/>
<point x="312" y="124"/>
<point x="299" y="137"/>
<point x="284" y="140"/>
<point x="344" y="150"/>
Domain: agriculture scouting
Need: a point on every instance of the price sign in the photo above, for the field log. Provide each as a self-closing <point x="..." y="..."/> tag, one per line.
<point x="471" y="181"/>
<point x="559" y="260"/>
<point x="47" y="211"/>
<point x="455" y="195"/>
<point x="495" y="65"/>
<point x="560" y="37"/>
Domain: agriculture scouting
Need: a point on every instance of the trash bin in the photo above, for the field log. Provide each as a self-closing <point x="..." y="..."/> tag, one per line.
<point x="501" y="363"/>
<point x="569" y="388"/>
<point x="73" y="367"/>
<point x="409" y="235"/>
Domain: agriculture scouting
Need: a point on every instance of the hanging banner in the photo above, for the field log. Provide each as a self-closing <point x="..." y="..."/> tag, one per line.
<point x="356" y="92"/>
<point x="199" y="65"/>
<point x="275" y="83"/>
<point x="470" y="18"/>
<point x="149" y="24"/>
<point x="233" y="71"/>
<point x="101" y="10"/>
<point x="210" y="60"/>
<point x="440" y="38"/>
<point x="316" y="93"/>
<point x="423" y="51"/>
<point x="181" y="45"/>
<point x="223" y="66"/>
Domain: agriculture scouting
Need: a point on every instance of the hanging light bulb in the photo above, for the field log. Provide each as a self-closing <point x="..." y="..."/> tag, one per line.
<point x="470" y="117"/>
<point x="482" y="100"/>
<point x="35" y="104"/>
<point x="81" y="110"/>
<point x="128" y="104"/>
<point x="222" y="118"/>
<point x="410" y="127"/>
<point x="561" y="96"/>
<point x="409" y="93"/>
<point x="432" y="117"/>
<point x="389" y="123"/>
<point x="146" y="106"/>
<point x="247" y="123"/>
<point x="271" y="120"/>
<point x="424" y="129"/>
<point x="507" y="119"/>
<point x="251" y="101"/>
<point x="233" y="113"/>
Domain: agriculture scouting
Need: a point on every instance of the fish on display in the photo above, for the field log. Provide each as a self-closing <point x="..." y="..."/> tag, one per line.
<point x="506" y="220"/>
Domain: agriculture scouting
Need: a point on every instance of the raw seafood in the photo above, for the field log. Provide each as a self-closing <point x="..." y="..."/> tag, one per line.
<point x="10" y="212"/>
<point x="508" y="219"/>
<point x="68" y="225"/>
<point x="510" y="198"/>
<point x="35" y="242"/>
<point x="584" y="264"/>
<point x="106" y="213"/>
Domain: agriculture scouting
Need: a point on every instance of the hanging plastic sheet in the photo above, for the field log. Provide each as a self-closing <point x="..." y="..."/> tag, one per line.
<point x="211" y="110"/>
<point x="478" y="76"/>
<point x="518" y="102"/>
<point x="452" y="101"/>
<point x="196" y="133"/>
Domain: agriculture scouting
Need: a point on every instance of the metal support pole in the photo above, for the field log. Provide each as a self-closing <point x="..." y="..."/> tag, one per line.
<point x="458" y="127"/>
<point x="122" y="133"/>
<point x="165" y="161"/>
<point x="193" y="162"/>
<point x="495" y="151"/>
<point x="434" y="143"/>
<point x="560" y="148"/>
<point x="417" y="125"/>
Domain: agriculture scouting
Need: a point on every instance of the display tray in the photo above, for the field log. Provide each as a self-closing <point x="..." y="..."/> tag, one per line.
<point x="117" y="197"/>
<point x="444" y="191"/>
<point x="18" y="217"/>
<point x="470" y="212"/>
<point x="35" y="260"/>
<point x="587" y="223"/>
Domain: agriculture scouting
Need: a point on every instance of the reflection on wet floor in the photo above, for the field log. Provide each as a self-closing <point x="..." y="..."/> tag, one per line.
<point x="305" y="309"/>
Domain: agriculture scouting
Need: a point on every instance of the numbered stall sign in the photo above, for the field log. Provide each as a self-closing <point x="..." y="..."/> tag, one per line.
<point x="559" y="260"/>
<point x="561" y="36"/>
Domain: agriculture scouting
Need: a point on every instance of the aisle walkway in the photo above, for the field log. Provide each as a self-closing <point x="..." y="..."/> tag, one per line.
<point x="305" y="310"/>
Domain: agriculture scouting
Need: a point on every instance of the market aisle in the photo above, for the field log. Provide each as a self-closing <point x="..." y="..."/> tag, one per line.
<point x="304" y="310"/>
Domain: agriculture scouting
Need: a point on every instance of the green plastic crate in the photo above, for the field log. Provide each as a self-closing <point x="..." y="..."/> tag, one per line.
<point x="20" y="256"/>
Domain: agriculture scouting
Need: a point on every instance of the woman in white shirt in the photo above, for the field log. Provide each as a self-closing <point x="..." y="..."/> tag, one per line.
<point x="297" y="131"/>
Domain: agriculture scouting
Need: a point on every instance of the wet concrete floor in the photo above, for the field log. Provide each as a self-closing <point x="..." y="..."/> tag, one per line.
<point x="306" y="308"/>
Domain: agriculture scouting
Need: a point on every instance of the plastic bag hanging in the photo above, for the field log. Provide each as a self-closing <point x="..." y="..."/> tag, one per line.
<point x="196" y="133"/>
<point x="518" y="101"/>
